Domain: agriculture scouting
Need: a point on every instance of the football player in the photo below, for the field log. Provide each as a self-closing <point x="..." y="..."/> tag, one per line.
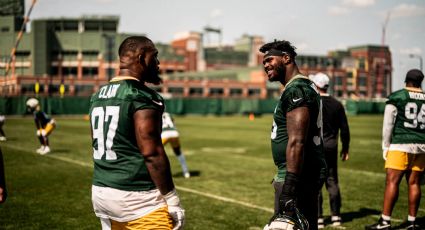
<point x="43" y="123"/>
<point x="403" y="144"/>
<point x="132" y="185"/>
<point x="2" y="134"/>
<point x="171" y="135"/>
<point x="296" y="137"/>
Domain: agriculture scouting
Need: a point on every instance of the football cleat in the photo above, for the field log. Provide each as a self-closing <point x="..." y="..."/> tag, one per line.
<point x="412" y="226"/>
<point x="336" y="220"/>
<point x="45" y="151"/>
<point x="287" y="222"/>
<point x="320" y="223"/>
<point x="382" y="224"/>
<point x="186" y="175"/>
<point x="2" y="138"/>
<point x="39" y="150"/>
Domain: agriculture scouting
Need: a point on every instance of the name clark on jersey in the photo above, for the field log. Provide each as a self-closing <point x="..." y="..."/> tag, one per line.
<point x="108" y="91"/>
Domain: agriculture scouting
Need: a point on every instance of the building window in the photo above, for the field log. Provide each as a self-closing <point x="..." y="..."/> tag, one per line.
<point x="196" y="91"/>
<point x="235" y="92"/>
<point x="254" y="92"/>
<point x="216" y="91"/>
<point x="175" y="90"/>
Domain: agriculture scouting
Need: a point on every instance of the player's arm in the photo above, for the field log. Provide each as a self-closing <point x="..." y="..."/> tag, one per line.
<point x="148" y="126"/>
<point x="297" y="127"/>
<point x="345" y="134"/>
<point x="390" y="115"/>
<point x="147" y="123"/>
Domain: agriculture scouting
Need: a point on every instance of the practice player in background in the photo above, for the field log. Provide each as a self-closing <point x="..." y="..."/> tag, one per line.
<point x="2" y="134"/>
<point x="296" y="137"/>
<point x="43" y="123"/>
<point x="334" y="120"/>
<point x="171" y="135"/>
<point x="132" y="184"/>
<point x="403" y="144"/>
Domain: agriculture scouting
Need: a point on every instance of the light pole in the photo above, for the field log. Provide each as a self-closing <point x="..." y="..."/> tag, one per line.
<point x="418" y="57"/>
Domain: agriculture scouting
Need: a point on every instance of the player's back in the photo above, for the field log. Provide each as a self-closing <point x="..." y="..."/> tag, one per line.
<point x="117" y="159"/>
<point x="409" y="125"/>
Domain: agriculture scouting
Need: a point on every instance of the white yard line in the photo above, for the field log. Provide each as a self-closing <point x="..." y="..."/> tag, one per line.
<point x="209" y="195"/>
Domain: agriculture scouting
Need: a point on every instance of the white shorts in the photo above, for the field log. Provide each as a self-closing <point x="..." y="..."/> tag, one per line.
<point x="124" y="206"/>
<point x="169" y="134"/>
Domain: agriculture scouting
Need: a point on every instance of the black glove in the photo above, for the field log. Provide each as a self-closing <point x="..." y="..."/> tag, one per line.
<point x="287" y="200"/>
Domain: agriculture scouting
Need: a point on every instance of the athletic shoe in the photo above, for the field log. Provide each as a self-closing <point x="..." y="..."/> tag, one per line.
<point x="45" y="151"/>
<point x="320" y="223"/>
<point x="381" y="225"/>
<point x="39" y="150"/>
<point x="2" y="138"/>
<point x="412" y="226"/>
<point x="336" y="220"/>
<point x="186" y="175"/>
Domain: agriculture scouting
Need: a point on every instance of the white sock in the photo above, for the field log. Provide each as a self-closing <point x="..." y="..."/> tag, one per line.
<point x="411" y="218"/>
<point x="386" y="218"/>
<point x="182" y="161"/>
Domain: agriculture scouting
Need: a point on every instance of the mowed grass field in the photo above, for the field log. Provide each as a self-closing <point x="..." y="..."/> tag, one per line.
<point x="231" y="165"/>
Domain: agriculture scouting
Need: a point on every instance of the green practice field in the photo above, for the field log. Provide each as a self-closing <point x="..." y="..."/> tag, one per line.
<point x="231" y="165"/>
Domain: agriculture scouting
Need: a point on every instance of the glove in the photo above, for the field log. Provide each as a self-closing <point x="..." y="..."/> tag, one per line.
<point x="175" y="209"/>
<point x="287" y="200"/>
<point x="38" y="133"/>
<point x="384" y="153"/>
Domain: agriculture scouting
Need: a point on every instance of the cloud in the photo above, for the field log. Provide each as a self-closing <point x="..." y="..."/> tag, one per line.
<point x="359" y="3"/>
<point x="338" y="10"/>
<point x="411" y="50"/>
<point x="216" y="13"/>
<point x="407" y="10"/>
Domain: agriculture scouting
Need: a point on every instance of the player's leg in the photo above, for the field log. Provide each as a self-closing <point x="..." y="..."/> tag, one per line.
<point x="2" y="134"/>
<point x="278" y="186"/>
<point x="334" y="196"/>
<point x="41" y="140"/>
<point x="175" y="144"/>
<point x="417" y="163"/>
<point x="320" y="220"/>
<point x="396" y="164"/>
<point x="307" y="201"/>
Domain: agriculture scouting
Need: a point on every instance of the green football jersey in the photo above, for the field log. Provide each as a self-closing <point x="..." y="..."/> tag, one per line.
<point x="409" y="126"/>
<point x="118" y="162"/>
<point x="299" y="92"/>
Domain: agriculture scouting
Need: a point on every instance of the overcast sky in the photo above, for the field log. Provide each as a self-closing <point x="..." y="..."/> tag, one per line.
<point x="314" y="27"/>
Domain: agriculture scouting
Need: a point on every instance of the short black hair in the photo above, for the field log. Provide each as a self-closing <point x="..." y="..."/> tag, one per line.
<point x="130" y="44"/>
<point x="282" y="45"/>
<point x="415" y="77"/>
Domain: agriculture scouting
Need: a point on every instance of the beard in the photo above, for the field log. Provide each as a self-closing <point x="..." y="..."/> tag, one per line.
<point x="152" y="76"/>
<point x="279" y="73"/>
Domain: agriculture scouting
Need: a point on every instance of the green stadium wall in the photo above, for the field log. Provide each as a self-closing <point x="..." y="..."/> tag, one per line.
<point x="201" y="106"/>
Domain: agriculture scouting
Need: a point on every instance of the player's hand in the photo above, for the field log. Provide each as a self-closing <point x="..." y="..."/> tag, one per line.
<point x="385" y="153"/>
<point x="344" y="156"/>
<point x="175" y="209"/>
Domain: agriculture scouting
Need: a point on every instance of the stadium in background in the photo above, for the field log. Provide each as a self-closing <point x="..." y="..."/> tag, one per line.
<point x="80" y="54"/>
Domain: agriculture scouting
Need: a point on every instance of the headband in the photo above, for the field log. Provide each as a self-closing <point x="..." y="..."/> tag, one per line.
<point x="274" y="52"/>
